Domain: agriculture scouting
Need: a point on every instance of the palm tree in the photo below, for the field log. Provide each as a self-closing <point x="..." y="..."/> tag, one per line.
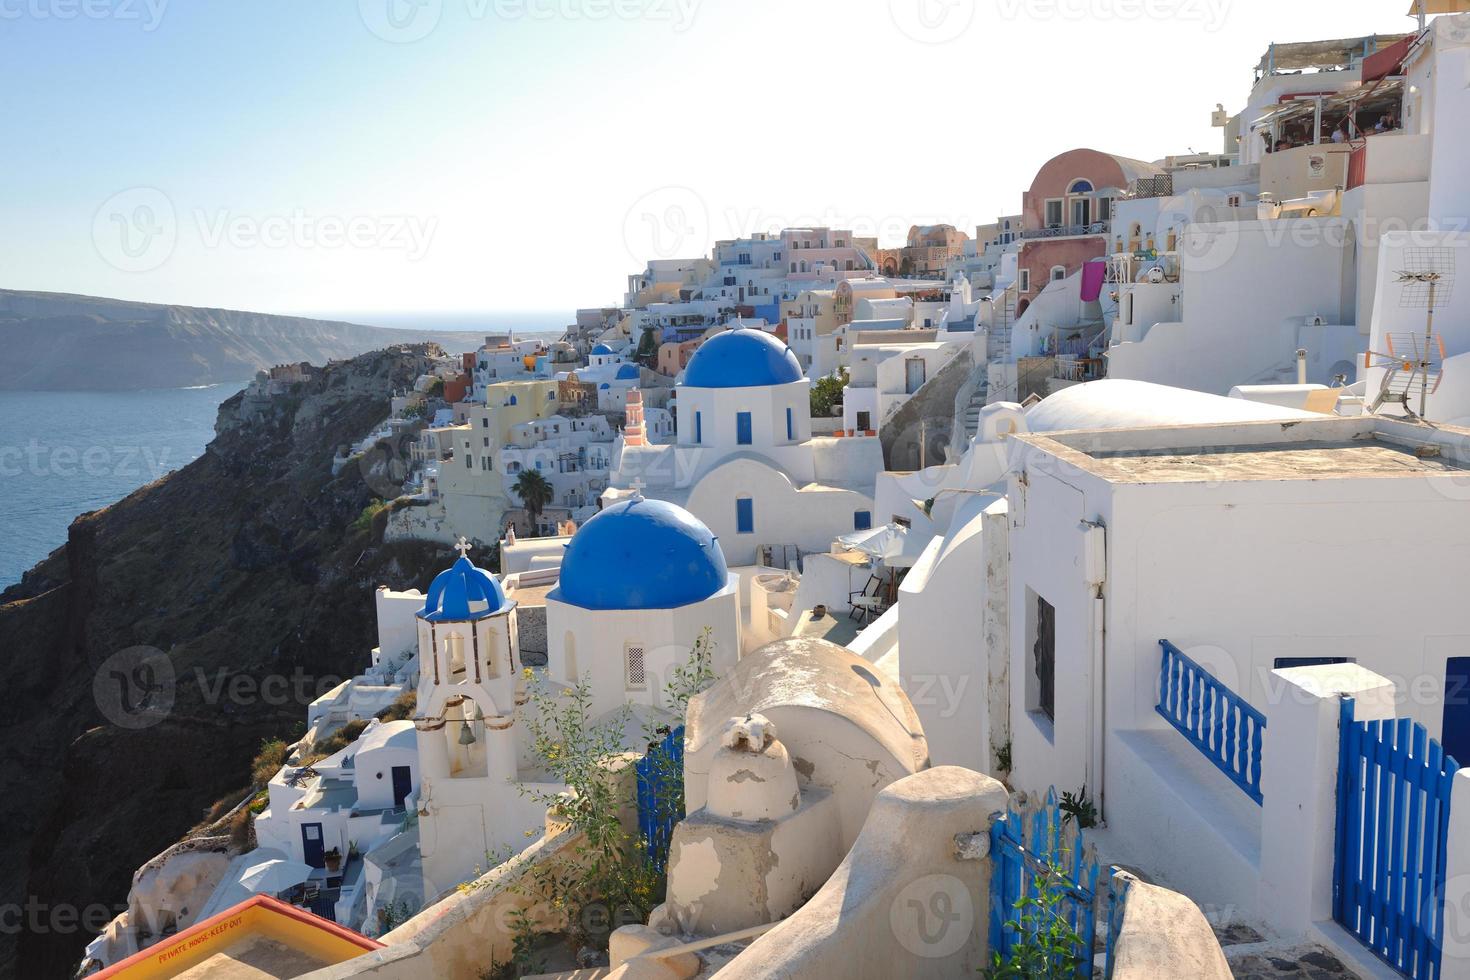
<point x="535" y="492"/>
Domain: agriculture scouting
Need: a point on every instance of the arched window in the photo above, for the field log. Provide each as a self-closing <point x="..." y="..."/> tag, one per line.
<point x="1058" y="273"/>
<point x="1080" y="186"/>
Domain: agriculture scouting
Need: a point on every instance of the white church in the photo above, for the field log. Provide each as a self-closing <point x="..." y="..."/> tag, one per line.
<point x="745" y="462"/>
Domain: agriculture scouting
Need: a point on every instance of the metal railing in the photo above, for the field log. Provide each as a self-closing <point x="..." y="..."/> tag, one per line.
<point x="1219" y="722"/>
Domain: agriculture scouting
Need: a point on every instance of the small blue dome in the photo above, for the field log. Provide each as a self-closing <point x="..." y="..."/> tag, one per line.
<point x="744" y="358"/>
<point x="459" y="588"/>
<point x="602" y="349"/>
<point x="604" y="386"/>
<point x="641" y="554"/>
<point x="628" y="372"/>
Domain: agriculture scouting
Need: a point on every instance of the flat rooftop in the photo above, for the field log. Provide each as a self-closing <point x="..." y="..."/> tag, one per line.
<point x="1329" y="448"/>
<point x="255" y="958"/>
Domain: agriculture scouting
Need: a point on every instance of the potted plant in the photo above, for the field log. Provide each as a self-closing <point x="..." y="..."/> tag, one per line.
<point x="334" y="859"/>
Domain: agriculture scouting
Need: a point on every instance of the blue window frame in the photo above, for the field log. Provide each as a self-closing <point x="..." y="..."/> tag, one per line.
<point x="698" y="427"/>
<point x="744" y="515"/>
<point x="790" y="426"/>
<point x="742" y="428"/>
<point x="862" y="520"/>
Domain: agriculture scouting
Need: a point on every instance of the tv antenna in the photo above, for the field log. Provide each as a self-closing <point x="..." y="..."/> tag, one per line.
<point x="1415" y="362"/>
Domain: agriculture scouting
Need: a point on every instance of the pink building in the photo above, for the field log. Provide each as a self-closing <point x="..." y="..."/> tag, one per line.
<point x="1066" y="213"/>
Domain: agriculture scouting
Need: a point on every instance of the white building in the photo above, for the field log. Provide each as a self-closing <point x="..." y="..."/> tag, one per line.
<point x="639" y="586"/>
<point x="469" y="742"/>
<point x="745" y="462"/>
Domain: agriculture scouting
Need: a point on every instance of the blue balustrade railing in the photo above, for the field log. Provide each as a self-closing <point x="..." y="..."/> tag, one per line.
<point x="661" y="795"/>
<point x="1219" y="722"/>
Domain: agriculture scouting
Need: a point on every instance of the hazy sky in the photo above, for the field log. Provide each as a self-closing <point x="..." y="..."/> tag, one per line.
<point x="443" y="155"/>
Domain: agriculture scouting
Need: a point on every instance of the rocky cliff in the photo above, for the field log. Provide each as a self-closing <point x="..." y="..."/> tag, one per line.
<point x="147" y="659"/>
<point x="55" y="341"/>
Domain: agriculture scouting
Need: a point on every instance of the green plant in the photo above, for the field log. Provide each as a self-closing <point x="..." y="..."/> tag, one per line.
<point x="827" y="392"/>
<point x="1078" y="807"/>
<point x="402" y="708"/>
<point x="417" y="410"/>
<point x="436" y="388"/>
<point x="535" y="492"/>
<point x="364" y="521"/>
<point x="1047" y="947"/>
<point x="338" y="740"/>
<point x="268" y="761"/>
<point x="1003" y="757"/>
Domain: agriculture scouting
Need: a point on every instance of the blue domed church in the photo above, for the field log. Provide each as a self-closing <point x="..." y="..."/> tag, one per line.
<point x="745" y="462"/>
<point x="640" y="583"/>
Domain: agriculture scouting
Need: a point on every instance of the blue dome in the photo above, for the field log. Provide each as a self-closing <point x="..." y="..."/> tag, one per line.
<point x="744" y="358"/>
<point x="602" y="349"/>
<point x="628" y="372"/>
<point x="641" y="554"/>
<point x="459" y="587"/>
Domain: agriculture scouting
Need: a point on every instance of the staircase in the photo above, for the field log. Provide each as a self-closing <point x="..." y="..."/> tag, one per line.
<point x="998" y="351"/>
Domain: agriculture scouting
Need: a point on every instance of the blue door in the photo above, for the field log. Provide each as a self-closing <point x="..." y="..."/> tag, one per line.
<point x="1455" y="731"/>
<point x="402" y="784"/>
<point x="742" y="428"/>
<point x="313" y="848"/>
<point x="744" y="515"/>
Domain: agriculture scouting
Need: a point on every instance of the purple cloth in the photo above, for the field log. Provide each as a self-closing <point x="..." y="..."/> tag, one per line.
<point x="1093" y="275"/>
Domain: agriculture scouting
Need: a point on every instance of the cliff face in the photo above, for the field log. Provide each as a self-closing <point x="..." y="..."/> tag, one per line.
<point x="251" y="575"/>
<point x="64" y="342"/>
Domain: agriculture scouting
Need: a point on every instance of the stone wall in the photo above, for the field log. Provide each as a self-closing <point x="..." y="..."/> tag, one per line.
<point x="932" y="405"/>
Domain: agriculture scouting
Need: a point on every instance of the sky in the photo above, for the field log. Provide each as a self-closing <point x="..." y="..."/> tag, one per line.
<point x="431" y="156"/>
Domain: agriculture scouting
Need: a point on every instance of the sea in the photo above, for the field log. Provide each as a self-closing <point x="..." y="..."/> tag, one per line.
<point x="63" y="453"/>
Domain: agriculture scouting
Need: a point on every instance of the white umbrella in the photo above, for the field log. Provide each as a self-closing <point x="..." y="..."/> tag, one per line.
<point x="893" y="544"/>
<point x="275" y="876"/>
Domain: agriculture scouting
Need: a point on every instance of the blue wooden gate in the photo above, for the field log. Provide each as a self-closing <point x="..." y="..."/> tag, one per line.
<point x="661" y="795"/>
<point x="1393" y="816"/>
<point x="1024" y="850"/>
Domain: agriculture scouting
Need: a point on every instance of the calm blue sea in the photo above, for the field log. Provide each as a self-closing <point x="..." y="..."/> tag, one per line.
<point x="63" y="453"/>
<point x="66" y="452"/>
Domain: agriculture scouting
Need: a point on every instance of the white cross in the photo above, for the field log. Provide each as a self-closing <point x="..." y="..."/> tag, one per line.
<point x="637" y="486"/>
<point x="462" y="546"/>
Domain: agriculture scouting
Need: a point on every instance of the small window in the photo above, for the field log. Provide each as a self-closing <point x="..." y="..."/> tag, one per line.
<point x="744" y="515"/>
<point x="469" y="462"/>
<point x="637" y="677"/>
<point x="1058" y="273"/>
<point x="698" y="427"/>
<point x="862" y="520"/>
<point x="1281" y="662"/>
<point x="742" y="428"/>
<point x="790" y="426"/>
<point x="1025" y="280"/>
<point x="1054" y="213"/>
<point x="1043" y="657"/>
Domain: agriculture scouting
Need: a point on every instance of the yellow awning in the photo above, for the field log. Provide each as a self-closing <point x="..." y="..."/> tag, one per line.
<point x="1416" y="7"/>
